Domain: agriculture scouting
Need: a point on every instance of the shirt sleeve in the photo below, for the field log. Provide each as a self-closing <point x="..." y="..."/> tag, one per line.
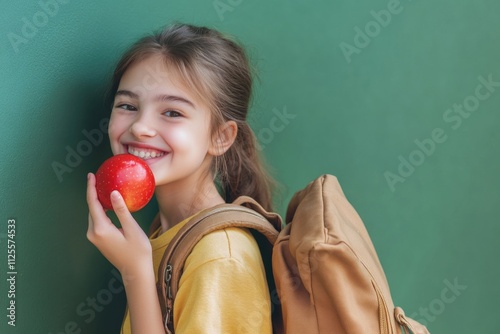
<point x="223" y="288"/>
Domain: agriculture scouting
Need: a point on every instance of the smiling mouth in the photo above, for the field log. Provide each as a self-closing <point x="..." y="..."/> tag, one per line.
<point x="145" y="153"/>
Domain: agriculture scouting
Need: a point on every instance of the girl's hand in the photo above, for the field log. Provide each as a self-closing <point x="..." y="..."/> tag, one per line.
<point x="127" y="248"/>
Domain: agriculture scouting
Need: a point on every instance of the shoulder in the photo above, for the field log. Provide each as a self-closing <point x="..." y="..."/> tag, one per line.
<point x="228" y="243"/>
<point x="230" y="246"/>
<point x="223" y="281"/>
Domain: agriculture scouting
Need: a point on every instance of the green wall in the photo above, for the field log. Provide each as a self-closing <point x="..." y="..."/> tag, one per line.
<point x="359" y="105"/>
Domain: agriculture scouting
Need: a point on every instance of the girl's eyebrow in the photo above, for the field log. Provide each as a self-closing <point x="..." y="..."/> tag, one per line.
<point x="161" y="97"/>
<point x="127" y="93"/>
<point x="173" y="98"/>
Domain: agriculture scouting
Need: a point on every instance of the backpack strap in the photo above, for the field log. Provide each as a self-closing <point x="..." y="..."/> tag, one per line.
<point x="244" y="212"/>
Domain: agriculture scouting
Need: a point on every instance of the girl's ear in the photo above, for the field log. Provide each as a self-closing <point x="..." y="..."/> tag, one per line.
<point x="224" y="138"/>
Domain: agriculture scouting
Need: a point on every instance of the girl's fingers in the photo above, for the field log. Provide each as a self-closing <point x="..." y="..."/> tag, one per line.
<point x="95" y="207"/>
<point x="98" y="220"/>
<point x="121" y="246"/>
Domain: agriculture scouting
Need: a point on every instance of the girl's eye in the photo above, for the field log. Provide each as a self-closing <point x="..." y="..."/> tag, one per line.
<point x="126" y="107"/>
<point x="172" y="113"/>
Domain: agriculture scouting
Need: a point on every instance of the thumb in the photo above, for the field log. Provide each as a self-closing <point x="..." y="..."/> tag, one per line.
<point x="124" y="216"/>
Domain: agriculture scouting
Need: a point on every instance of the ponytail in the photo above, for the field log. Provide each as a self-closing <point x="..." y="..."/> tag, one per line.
<point x="242" y="172"/>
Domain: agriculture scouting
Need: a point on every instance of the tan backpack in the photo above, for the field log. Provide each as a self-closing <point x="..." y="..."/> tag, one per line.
<point x="325" y="269"/>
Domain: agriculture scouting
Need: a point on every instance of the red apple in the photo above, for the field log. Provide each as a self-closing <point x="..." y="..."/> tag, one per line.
<point x="128" y="174"/>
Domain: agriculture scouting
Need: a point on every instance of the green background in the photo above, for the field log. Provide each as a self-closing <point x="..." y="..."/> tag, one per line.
<point x="354" y="116"/>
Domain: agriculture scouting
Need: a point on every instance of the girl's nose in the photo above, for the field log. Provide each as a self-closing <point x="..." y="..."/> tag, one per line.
<point x="141" y="129"/>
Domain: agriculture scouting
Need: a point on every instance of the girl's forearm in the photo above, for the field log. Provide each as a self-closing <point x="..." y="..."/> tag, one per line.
<point x="143" y="303"/>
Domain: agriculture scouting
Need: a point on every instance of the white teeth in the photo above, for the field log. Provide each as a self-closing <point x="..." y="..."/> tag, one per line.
<point x="145" y="153"/>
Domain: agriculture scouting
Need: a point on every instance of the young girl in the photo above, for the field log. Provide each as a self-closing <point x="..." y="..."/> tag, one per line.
<point x="181" y="98"/>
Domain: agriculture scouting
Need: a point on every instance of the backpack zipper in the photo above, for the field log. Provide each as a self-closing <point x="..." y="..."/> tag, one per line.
<point x="168" y="279"/>
<point x="384" y="316"/>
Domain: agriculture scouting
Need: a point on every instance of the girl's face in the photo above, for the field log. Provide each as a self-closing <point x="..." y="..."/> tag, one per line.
<point x="158" y="119"/>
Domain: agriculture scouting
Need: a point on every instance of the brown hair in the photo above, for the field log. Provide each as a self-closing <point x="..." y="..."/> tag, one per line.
<point x="218" y="70"/>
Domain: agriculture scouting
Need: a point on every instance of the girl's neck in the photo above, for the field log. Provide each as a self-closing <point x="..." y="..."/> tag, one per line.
<point x="184" y="198"/>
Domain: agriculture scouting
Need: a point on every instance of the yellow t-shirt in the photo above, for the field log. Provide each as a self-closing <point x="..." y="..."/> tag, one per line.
<point x="223" y="288"/>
